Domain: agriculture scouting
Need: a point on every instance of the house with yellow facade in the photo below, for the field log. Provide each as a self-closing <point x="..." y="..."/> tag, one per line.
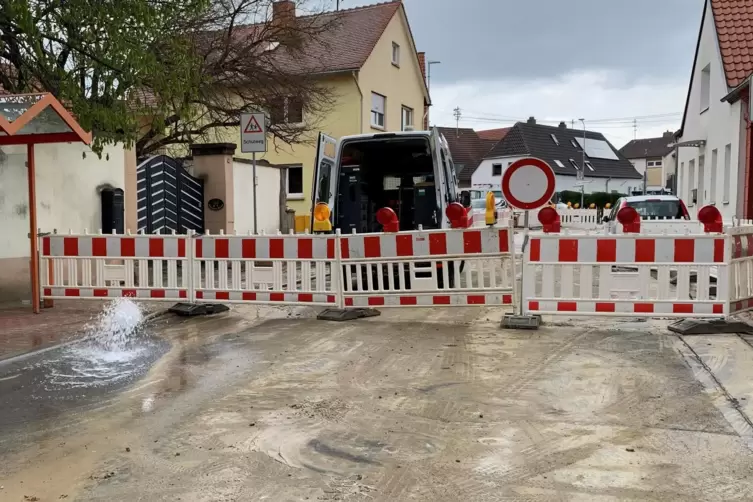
<point x="377" y="81"/>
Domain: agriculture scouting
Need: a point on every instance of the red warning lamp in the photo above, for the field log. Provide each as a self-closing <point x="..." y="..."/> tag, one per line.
<point x="630" y="220"/>
<point x="711" y="219"/>
<point x="388" y="219"/>
<point x="457" y="215"/>
<point x="550" y="220"/>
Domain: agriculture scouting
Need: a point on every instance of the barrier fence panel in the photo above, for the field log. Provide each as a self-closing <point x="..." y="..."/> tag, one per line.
<point x="626" y="275"/>
<point x="112" y="266"/>
<point x="741" y="269"/>
<point x="283" y="269"/>
<point x="426" y="268"/>
<point x="585" y="219"/>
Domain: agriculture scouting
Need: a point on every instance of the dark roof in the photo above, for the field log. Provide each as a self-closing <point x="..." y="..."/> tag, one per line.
<point x="533" y="139"/>
<point x="493" y="134"/>
<point x="648" y="147"/>
<point x="466" y="148"/>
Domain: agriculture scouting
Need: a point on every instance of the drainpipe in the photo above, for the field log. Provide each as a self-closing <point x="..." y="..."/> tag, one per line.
<point x="358" y="86"/>
<point x="747" y="210"/>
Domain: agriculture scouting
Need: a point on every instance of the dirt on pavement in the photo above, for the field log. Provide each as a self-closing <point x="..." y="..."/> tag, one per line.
<point x="435" y="404"/>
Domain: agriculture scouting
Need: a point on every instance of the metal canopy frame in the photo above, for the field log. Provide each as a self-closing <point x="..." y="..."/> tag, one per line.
<point x="30" y="119"/>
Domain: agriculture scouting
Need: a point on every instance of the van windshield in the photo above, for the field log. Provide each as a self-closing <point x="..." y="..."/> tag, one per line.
<point x="396" y="172"/>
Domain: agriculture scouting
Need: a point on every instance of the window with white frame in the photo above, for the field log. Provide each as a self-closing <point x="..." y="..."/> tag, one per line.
<point x="407" y="118"/>
<point x="727" y="167"/>
<point x="589" y="166"/>
<point x="378" y="107"/>
<point x="691" y="181"/>
<point x="395" y="54"/>
<point x="286" y="111"/>
<point x="496" y="169"/>
<point x="714" y="166"/>
<point x="654" y="163"/>
<point x="573" y="163"/>
<point x="559" y="163"/>
<point x="705" y="88"/>
<point x="295" y="182"/>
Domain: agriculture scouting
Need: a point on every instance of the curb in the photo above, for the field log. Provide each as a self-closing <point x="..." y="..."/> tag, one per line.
<point x="152" y="316"/>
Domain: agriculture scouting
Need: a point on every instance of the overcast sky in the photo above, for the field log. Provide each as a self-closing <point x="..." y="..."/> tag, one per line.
<point x="503" y="60"/>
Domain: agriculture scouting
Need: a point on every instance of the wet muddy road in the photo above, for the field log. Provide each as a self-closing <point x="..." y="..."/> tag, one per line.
<point x="414" y="405"/>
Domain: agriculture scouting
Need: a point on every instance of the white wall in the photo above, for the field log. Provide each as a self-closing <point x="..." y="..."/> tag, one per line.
<point x="67" y="187"/>
<point x="483" y="176"/>
<point x="719" y="125"/>
<point x="268" y="192"/>
<point x="639" y="165"/>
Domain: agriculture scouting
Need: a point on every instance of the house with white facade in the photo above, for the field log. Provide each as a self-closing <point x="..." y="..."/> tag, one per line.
<point x="652" y="156"/>
<point x="567" y="151"/>
<point x="714" y="167"/>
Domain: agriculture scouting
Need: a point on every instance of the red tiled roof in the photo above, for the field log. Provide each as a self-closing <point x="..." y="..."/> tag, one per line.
<point x="493" y="134"/>
<point x="734" y="28"/>
<point x="467" y="149"/>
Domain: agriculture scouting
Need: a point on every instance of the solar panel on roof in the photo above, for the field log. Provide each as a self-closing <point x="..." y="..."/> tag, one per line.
<point x="597" y="149"/>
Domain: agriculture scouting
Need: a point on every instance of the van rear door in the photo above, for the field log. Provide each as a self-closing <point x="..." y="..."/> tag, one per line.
<point x="325" y="175"/>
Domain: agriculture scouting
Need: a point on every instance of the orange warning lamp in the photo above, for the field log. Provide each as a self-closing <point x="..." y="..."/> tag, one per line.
<point x="592" y="206"/>
<point x="569" y="204"/>
<point x="630" y="220"/>
<point x="607" y="206"/>
<point x="577" y="205"/>
<point x="388" y="219"/>
<point x="491" y="209"/>
<point x="457" y="215"/>
<point x="321" y="218"/>
<point x="711" y="219"/>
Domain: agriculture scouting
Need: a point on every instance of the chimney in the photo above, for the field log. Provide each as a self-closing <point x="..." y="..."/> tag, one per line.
<point x="283" y="13"/>
<point x="562" y="125"/>
<point x="668" y="134"/>
<point x="531" y="120"/>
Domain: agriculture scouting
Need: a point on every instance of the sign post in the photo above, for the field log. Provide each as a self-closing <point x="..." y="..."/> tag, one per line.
<point x="253" y="140"/>
<point x="527" y="184"/>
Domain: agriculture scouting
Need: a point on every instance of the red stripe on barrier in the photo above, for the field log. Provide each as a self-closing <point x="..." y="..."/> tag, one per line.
<point x="349" y="302"/>
<point x="156" y="247"/>
<point x="72" y="292"/>
<point x="221" y="248"/>
<point x="46" y="246"/>
<point x="682" y="308"/>
<point x="277" y="297"/>
<point x="276" y="248"/>
<point x="476" y="300"/>
<point x="305" y="249"/>
<point x="535" y="249"/>
<point x="344" y="249"/>
<point x="248" y="248"/>
<point x="718" y="308"/>
<point x="441" y="300"/>
<point x="568" y="250"/>
<point x="506" y="299"/>
<point x="221" y="295"/>
<point x="718" y="250"/>
<point x="157" y="293"/>
<point x="70" y="246"/>
<point x="684" y="251"/>
<point x="305" y="297"/>
<point x="372" y="247"/>
<point x="404" y="245"/>
<point x="567" y="306"/>
<point x="643" y="308"/>
<point x="408" y="300"/>
<point x="605" y="307"/>
<point x="331" y="299"/>
<point x="645" y="250"/>
<point x="181" y="248"/>
<point x="48" y="292"/>
<point x="199" y="295"/>
<point x="504" y="242"/>
<point x="182" y="293"/>
<point x="331" y="249"/>
<point x="199" y="248"/>
<point x="437" y="244"/>
<point x="100" y="293"/>
<point x="248" y="296"/>
<point x="533" y="305"/>
<point x="99" y="246"/>
<point x="127" y="247"/>
<point x="472" y="242"/>
<point x="375" y="301"/>
<point x="750" y="245"/>
<point x="129" y="293"/>
<point x="606" y="250"/>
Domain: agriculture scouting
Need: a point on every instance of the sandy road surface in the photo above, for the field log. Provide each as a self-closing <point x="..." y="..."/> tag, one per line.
<point x="414" y="405"/>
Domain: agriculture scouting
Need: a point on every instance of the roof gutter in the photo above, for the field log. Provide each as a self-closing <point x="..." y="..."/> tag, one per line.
<point x="734" y="95"/>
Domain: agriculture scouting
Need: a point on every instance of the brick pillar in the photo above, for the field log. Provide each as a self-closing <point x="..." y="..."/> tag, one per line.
<point x="213" y="162"/>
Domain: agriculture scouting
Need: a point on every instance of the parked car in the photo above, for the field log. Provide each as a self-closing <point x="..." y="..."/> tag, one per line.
<point x="652" y="207"/>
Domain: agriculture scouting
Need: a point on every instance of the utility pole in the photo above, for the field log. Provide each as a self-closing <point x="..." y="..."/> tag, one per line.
<point x="583" y="164"/>
<point x="635" y="128"/>
<point x="458" y="113"/>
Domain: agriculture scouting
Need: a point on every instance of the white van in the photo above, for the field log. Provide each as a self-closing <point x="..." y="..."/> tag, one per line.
<point x="411" y="172"/>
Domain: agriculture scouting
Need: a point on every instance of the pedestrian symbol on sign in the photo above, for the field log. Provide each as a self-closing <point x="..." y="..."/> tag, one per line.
<point x="252" y="126"/>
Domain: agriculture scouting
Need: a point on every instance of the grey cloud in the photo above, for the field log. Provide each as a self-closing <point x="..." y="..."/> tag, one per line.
<point x="531" y="39"/>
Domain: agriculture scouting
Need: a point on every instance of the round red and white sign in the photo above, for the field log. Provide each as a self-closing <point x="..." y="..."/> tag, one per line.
<point x="528" y="184"/>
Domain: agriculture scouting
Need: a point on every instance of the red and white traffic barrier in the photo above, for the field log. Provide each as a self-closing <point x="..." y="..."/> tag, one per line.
<point x="428" y="268"/>
<point x="741" y="268"/>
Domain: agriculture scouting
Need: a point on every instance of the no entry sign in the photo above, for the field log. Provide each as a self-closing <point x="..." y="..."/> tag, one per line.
<point x="528" y="184"/>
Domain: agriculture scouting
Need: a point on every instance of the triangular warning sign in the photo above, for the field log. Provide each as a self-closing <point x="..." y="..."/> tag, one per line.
<point x="252" y="126"/>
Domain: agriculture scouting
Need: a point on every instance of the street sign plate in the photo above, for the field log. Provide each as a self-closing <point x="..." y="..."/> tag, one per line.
<point x="528" y="183"/>
<point x="253" y="133"/>
<point x="581" y="175"/>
